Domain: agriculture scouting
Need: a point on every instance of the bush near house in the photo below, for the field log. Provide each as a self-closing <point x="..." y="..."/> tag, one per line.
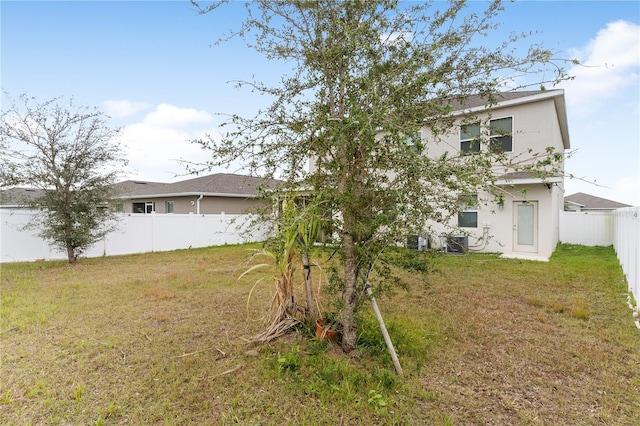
<point x="159" y="339"/>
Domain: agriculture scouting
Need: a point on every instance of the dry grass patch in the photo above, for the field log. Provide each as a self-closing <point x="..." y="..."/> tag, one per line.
<point x="160" y="338"/>
<point x="159" y="293"/>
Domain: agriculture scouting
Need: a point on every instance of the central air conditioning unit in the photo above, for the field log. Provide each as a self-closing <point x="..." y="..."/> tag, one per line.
<point x="416" y="242"/>
<point x="413" y="242"/>
<point x="457" y="244"/>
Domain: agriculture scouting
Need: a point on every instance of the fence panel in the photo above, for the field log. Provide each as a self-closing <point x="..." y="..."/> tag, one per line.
<point x="17" y="245"/>
<point x="586" y="228"/>
<point x="626" y="229"/>
<point x="135" y="234"/>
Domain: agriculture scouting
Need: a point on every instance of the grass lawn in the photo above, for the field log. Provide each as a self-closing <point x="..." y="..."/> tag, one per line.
<point x="161" y="338"/>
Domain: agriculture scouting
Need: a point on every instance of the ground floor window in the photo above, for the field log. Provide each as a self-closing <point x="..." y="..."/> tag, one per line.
<point x="146" y="207"/>
<point x="169" y="207"/>
<point x="468" y="211"/>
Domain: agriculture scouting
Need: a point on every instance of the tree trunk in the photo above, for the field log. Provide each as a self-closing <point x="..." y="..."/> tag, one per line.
<point x="349" y="329"/>
<point x="71" y="254"/>
<point x="311" y="305"/>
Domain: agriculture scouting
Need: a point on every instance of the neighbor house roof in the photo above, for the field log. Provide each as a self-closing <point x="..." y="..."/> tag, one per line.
<point x="220" y="184"/>
<point x="591" y="202"/>
<point x="17" y="197"/>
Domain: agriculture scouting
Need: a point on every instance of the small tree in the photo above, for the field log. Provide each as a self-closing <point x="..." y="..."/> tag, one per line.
<point x="68" y="152"/>
<point x="367" y="75"/>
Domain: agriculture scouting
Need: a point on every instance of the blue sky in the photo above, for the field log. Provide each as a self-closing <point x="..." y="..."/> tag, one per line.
<point x="152" y="67"/>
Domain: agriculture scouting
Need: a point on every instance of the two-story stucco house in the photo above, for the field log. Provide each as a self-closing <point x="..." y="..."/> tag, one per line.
<point x="524" y="221"/>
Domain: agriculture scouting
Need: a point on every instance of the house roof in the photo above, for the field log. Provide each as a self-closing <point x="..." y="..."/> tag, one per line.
<point x="477" y="103"/>
<point x="18" y="196"/>
<point x="591" y="202"/>
<point x="220" y="184"/>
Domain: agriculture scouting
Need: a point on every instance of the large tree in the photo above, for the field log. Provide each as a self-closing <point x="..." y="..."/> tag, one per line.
<point x="366" y="76"/>
<point x="71" y="155"/>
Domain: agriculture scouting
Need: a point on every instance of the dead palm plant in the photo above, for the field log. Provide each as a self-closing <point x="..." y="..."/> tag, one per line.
<point x="299" y="226"/>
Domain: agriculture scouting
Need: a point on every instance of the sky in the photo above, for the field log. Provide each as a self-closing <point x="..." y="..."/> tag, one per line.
<point x="154" y="68"/>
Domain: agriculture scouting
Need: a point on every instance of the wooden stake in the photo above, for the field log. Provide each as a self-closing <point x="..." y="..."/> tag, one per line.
<point x="385" y="333"/>
<point x="306" y="270"/>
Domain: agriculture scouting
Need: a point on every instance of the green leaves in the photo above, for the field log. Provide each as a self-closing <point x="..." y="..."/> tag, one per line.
<point x="69" y="152"/>
<point x="365" y="75"/>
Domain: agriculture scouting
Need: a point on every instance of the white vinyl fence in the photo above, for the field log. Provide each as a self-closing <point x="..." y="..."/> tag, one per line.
<point x="626" y="241"/>
<point x="586" y="228"/>
<point x="137" y="233"/>
<point x="619" y="228"/>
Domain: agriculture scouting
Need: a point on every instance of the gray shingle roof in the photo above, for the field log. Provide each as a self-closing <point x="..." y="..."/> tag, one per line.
<point x="18" y="196"/>
<point x="591" y="202"/>
<point x="220" y="183"/>
<point x="474" y="101"/>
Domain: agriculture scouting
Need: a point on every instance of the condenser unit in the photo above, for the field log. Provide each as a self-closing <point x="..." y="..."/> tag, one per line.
<point x="413" y="242"/>
<point x="457" y="244"/>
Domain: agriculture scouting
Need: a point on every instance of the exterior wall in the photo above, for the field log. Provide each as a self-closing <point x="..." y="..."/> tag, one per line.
<point x="220" y="205"/>
<point x="189" y="204"/>
<point x="495" y="232"/>
<point x="535" y="126"/>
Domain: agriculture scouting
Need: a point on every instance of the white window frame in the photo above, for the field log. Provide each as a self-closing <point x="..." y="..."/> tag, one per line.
<point x="410" y="140"/>
<point x="149" y="207"/>
<point x="466" y="208"/>
<point x="473" y="142"/>
<point x="170" y="203"/>
<point x="498" y="136"/>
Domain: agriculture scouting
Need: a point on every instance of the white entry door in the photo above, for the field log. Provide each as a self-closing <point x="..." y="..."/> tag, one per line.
<point x="525" y="226"/>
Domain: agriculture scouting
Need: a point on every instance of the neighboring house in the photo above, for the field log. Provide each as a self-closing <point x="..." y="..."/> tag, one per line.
<point x="211" y="194"/>
<point x="581" y="202"/>
<point x="18" y="198"/>
<point x="524" y="223"/>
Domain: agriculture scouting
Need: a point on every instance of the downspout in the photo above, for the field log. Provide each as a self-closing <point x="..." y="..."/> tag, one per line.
<point x="198" y="203"/>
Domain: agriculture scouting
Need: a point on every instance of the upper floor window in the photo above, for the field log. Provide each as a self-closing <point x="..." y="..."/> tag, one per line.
<point x="470" y="138"/>
<point x="501" y="134"/>
<point x="414" y="142"/>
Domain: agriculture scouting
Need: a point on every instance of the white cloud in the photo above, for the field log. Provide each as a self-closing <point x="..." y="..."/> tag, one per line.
<point x="627" y="190"/>
<point x="609" y="64"/>
<point x="157" y="143"/>
<point x="173" y="116"/>
<point x="123" y="108"/>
